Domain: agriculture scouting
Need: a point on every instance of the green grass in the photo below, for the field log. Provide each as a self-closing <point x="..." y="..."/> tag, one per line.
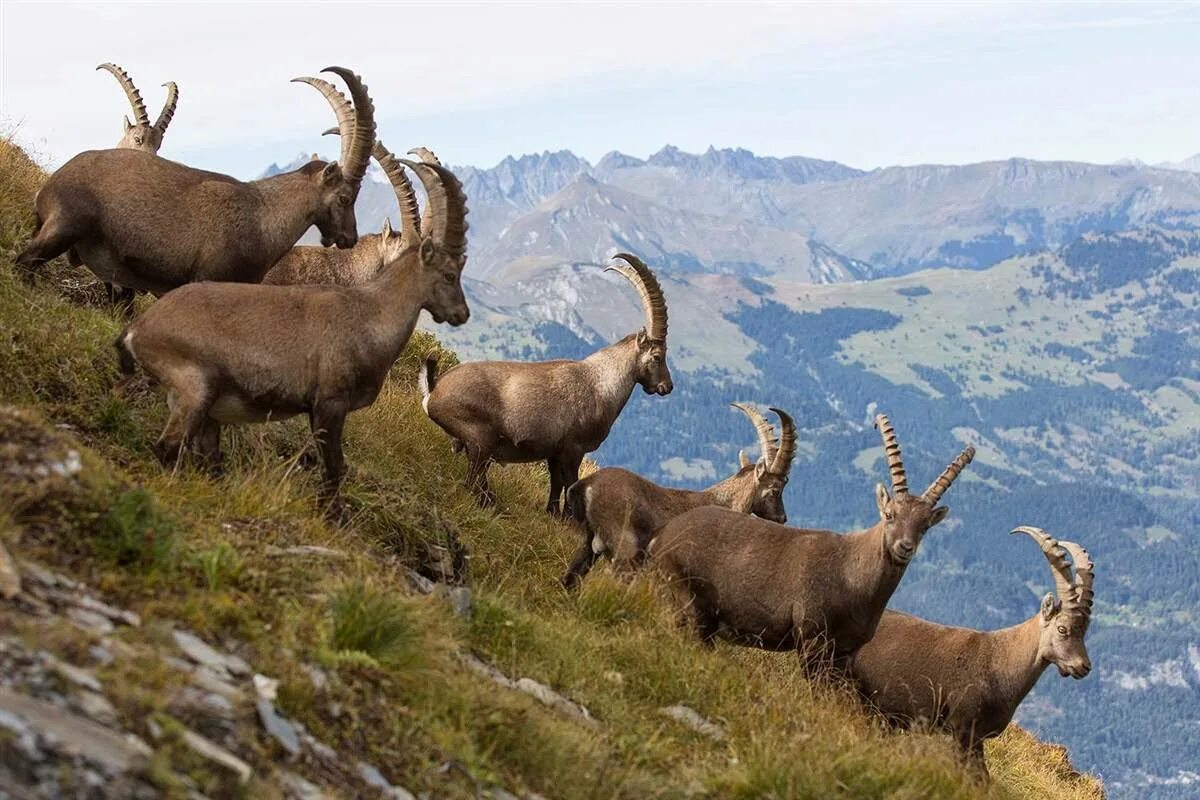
<point x="181" y="547"/>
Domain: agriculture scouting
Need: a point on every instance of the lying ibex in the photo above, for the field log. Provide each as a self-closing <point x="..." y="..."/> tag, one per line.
<point x="150" y="224"/>
<point x="138" y="135"/>
<point x="761" y="584"/>
<point x="141" y="134"/>
<point x="970" y="682"/>
<point x="233" y="353"/>
<point x="513" y="412"/>
<point x="621" y="511"/>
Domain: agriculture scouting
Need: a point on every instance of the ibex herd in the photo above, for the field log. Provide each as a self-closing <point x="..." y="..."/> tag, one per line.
<point x="250" y="327"/>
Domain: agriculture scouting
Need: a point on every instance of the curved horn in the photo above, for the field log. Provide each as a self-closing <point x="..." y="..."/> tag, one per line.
<point x="782" y="464"/>
<point x="1057" y="557"/>
<point x="649" y="290"/>
<point x="342" y="109"/>
<point x="410" y="226"/>
<point x="356" y="149"/>
<point x="135" y="97"/>
<point x="939" y="486"/>
<point x="1084" y="575"/>
<point x="426" y="156"/>
<point x="891" y="446"/>
<point x="448" y="206"/>
<point x="168" y="109"/>
<point x="767" y="442"/>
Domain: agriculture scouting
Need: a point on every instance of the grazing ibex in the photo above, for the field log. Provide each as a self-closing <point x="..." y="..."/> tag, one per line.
<point x="150" y="224"/>
<point x="621" y="511"/>
<point x="233" y="353"/>
<point x="138" y="135"/>
<point x="141" y="134"/>
<point x="970" y="682"/>
<point x="513" y="412"/>
<point x="765" y="585"/>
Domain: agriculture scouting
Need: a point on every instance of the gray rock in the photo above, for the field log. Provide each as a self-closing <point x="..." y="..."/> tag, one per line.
<point x="690" y="718"/>
<point x="191" y="698"/>
<point x="485" y="670"/>
<point x="552" y="699"/>
<point x="217" y="754"/>
<point x="112" y="612"/>
<point x="375" y="778"/>
<point x="73" y="674"/>
<point x="21" y="735"/>
<point x="266" y="688"/>
<point x="297" y="788"/>
<point x="204" y="678"/>
<point x="76" y="737"/>
<point x="101" y="654"/>
<point x="307" y="550"/>
<point x="460" y="600"/>
<point x="39" y="574"/>
<point x="278" y="727"/>
<point x="419" y="582"/>
<point x="97" y="707"/>
<point x="10" y="578"/>
<point x="223" y="664"/>
<point x="317" y="675"/>
<point x="90" y="621"/>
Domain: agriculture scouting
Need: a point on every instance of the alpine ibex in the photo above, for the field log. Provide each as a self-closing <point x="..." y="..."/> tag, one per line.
<point x="765" y="585"/>
<point x="138" y="135"/>
<point x="233" y="353"/>
<point x="150" y="224"/>
<point x="970" y="682"/>
<point x="513" y="412"/>
<point x="621" y="511"/>
<point x="141" y="134"/>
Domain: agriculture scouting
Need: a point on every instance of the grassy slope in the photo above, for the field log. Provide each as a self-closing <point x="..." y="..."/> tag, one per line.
<point x="404" y="701"/>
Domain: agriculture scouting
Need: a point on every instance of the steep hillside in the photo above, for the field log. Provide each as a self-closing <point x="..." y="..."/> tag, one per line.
<point x="377" y="683"/>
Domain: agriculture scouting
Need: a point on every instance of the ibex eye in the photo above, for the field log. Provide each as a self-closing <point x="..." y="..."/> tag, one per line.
<point x="1062" y="631"/>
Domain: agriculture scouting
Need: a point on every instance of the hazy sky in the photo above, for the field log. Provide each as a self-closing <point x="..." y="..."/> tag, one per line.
<point x="868" y="85"/>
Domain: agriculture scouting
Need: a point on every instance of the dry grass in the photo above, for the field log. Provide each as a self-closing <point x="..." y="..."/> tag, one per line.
<point x="404" y="701"/>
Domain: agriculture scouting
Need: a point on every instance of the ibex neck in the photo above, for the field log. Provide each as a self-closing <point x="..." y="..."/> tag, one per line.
<point x="731" y="493"/>
<point x="290" y="203"/>
<point x="870" y="569"/>
<point x="1017" y="664"/>
<point x="364" y="260"/>
<point x="613" y="370"/>
<point x="396" y="290"/>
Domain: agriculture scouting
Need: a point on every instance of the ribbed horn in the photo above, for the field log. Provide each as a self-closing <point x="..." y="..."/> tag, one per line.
<point x="135" y="97"/>
<point x="768" y="443"/>
<point x="426" y="156"/>
<point x="891" y="447"/>
<point x="168" y="109"/>
<point x="342" y="109"/>
<point x="782" y="463"/>
<point x="410" y="225"/>
<point x="939" y="486"/>
<point x="648" y="288"/>
<point x="356" y="150"/>
<point x="448" y="206"/>
<point x="1057" y="557"/>
<point x="1084" y="575"/>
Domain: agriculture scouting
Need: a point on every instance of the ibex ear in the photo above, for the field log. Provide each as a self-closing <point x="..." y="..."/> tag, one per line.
<point x="1050" y="606"/>
<point x="386" y="233"/>
<point x="743" y="459"/>
<point x="330" y="173"/>
<point x="760" y="469"/>
<point x="128" y="124"/>
<point x="938" y="515"/>
<point x="427" y="250"/>
<point x="643" y="339"/>
<point x="881" y="498"/>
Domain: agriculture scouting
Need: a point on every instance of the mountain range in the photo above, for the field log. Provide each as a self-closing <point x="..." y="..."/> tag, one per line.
<point x="1045" y="312"/>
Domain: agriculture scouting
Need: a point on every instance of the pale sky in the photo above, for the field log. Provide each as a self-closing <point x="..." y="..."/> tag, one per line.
<point x="868" y="84"/>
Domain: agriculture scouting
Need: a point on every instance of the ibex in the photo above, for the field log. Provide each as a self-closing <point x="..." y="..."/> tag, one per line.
<point x="970" y="682"/>
<point x="620" y="511"/>
<point x="234" y="353"/>
<point x="150" y="224"/>
<point x="138" y="135"/>
<point x="513" y="412"/>
<point x="765" y="585"/>
<point x="141" y="134"/>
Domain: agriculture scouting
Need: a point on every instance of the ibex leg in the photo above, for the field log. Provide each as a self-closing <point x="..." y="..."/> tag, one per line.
<point x="554" y="467"/>
<point x="478" y="460"/>
<point x="581" y="564"/>
<point x="208" y="445"/>
<point x="54" y="236"/>
<point x="189" y="401"/>
<point x="327" y="421"/>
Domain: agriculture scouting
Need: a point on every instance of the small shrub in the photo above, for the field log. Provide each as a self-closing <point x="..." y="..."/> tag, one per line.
<point x="220" y="566"/>
<point x="369" y="622"/>
<point x="136" y="533"/>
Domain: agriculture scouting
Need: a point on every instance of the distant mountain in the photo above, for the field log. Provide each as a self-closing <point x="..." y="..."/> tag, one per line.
<point x="1188" y="164"/>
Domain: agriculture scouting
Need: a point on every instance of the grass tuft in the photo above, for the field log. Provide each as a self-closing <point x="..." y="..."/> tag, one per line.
<point x="370" y="622"/>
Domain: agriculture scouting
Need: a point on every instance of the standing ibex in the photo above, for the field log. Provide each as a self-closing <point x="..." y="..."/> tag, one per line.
<point x="766" y="585"/>
<point x="620" y="511"/>
<point x="138" y="135"/>
<point x="150" y="224"/>
<point x="970" y="682"/>
<point x="141" y="134"/>
<point x="512" y="412"/>
<point x="233" y="353"/>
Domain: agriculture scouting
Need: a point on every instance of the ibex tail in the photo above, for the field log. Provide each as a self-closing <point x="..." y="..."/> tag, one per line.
<point x="427" y="377"/>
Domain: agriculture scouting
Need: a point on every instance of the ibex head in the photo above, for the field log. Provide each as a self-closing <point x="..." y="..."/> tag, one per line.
<point x="141" y="134"/>
<point x="652" y="371"/>
<point x="339" y="182"/>
<point x="772" y="468"/>
<point x="1064" y="618"/>
<point x="906" y="517"/>
<point x="440" y="239"/>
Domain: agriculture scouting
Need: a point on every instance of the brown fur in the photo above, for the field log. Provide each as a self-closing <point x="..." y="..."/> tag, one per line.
<point x="964" y="681"/>
<point x="306" y="264"/>
<point x="232" y="353"/>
